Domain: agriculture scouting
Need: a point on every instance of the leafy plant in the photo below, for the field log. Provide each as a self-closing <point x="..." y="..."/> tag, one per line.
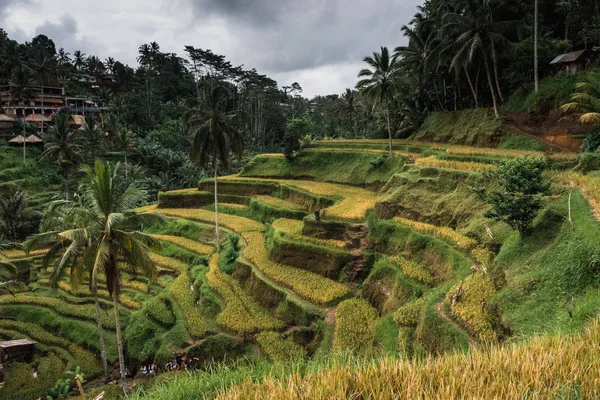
<point x="518" y="190"/>
<point x="230" y="254"/>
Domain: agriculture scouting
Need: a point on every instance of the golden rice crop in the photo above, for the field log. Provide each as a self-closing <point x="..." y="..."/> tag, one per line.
<point x="125" y="300"/>
<point x="234" y="205"/>
<point x="238" y="224"/>
<point x="80" y="311"/>
<point x="408" y="314"/>
<point x="469" y="309"/>
<point x="273" y="155"/>
<point x="435" y="162"/>
<point x="311" y="286"/>
<point x="17" y="254"/>
<point x="354" y="325"/>
<point x="188" y="244"/>
<point x="549" y="367"/>
<point x="413" y="270"/>
<point x="279" y="349"/>
<point x="242" y="313"/>
<point x="293" y="229"/>
<point x="135" y="285"/>
<point x="354" y="201"/>
<point x="280" y="203"/>
<point x="410" y="156"/>
<point x="461" y="241"/>
<point x="84" y="359"/>
<point x="168" y="263"/>
<point x="589" y="186"/>
<point x="183" y="294"/>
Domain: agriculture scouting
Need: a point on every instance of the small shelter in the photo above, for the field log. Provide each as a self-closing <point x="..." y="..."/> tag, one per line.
<point x="571" y="62"/>
<point x="77" y="121"/>
<point x="16" y="349"/>
<point x="6" y="121"/>
<point x="37" y="119"/>
<point x="19" y="140"/>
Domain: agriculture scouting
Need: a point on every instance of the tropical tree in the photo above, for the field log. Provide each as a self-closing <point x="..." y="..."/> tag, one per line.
<point x="7" y="273"/>
<point x="15" y="216"/>
<point x="124" y="141"/>
<point x="44" y="68"/>
<point x="536" y="17"/>
<point x="98" y="233"/>
<point x="348" y="108"/>
<point x="209" y="120"/>
<point x="380" y="82"/>
<point x="585" y="102"/>
<point x="63" y="147"/>
<point x="79" y="60"/>
<point x="92" y="133"/>
<point x="11" y="58"/>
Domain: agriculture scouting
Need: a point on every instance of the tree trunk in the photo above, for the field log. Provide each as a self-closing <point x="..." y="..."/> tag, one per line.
<point x="471" y="86"/>
<point x="80" y="388"/>
<point x="536" y="75"/>
<point x="217" y="240"/>
<point x="491" y="85"/>
<point x="389" y="125"/>
<point x="496" y="75"/>
<point x="43" y="111"/>
<point x="115" y="297"/>
<point x="101" y="338"/>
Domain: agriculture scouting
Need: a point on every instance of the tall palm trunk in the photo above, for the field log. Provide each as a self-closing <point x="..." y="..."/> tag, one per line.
<point x="43" y="111"/>
<point x="496" y="75"/>
<point x="115" y="297"/>
<point x="536" y="74"/>
<point x="473" y="91"/>
<point x="389" y="126"/>
<point x="101" y="338"/>
<point x="491" y="85"/>
<point x="217" y="240"/>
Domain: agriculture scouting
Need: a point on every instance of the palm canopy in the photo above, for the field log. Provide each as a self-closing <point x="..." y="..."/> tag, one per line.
<point x="211" y="124"/>
<point x="7" y="272"/>
<point x="585" y="102"/>
<point x="98" y="231"/>
<point x="62" y="145"/>
<point x="379" y="82"/>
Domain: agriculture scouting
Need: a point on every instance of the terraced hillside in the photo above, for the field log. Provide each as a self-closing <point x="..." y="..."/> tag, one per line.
<point x="377" y="274"/>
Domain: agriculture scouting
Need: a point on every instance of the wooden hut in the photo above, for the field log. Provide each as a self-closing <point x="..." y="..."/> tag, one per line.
<point x="21" y="349"/>
<point x="29" y="140"/>
<point x="572" y="62"/>
<point x="6" y="121"/>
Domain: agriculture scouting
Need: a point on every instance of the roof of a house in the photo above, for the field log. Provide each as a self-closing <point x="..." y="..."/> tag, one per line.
<point x="28" y="139"/>
<point x="78" y="120"/>
<point x="16" y="343"/>
<point x="37" y="118"/>
<point x="568" y="57"/>
<point x="6" y="118"/>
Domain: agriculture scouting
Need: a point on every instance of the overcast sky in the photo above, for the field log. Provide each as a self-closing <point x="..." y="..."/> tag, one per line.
<point x="318" y="43"/>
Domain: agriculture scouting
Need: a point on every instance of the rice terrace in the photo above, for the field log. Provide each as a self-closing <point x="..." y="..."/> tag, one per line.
<point x="188" y="228"/>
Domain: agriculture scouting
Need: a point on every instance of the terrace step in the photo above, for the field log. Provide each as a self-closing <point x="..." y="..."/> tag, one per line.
<point x="357" y="241"/>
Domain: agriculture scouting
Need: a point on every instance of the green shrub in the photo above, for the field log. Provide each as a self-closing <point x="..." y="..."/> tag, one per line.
<point x="229" y="254"/>
<point x="278" y="348"/>
<point x="409" y="314"/>
<point x="587" y="162"/>
<point x="355" y="326"/>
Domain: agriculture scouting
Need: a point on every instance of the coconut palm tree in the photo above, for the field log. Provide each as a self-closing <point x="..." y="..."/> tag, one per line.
<point x="44" y="68"/>
<point x="79" y="60"/>
<point x="7" y="273"/>
<point x="63" y="146"/>
<point x="380" y="82"/>
<point x="348" y="107"/>
<point x="209" y="121"/>
<point x="98" y="233"/>
<point x="14" y="214"/>
<point x="585" y="102"/>
<point x="11" y="58"/>
<point x="92" y="133"/>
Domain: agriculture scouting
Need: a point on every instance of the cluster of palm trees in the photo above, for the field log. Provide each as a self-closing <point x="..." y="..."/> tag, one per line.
<point x="453" y="45"/>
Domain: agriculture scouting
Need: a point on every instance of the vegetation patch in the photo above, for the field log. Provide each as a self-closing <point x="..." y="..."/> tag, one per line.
<point x="278" y="348"/>
<point x="295" y="230"/>
<point x="461" y="241"/>
<point x="355" y="321"/>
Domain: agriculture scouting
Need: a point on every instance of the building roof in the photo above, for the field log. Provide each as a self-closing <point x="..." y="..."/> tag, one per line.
<point x="28" y="139"/>
<point x="6" y="118"/>
<point x="37" y="118"/>
<point x="78" y="120"/>
<point x="16" y="343"/>
<point x="49" y="100"/>
<point x="568" y="57"/>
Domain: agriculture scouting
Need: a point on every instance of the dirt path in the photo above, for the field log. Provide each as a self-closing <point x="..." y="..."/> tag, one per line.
<point x="442" y="313"/>
<point x="511" y="125"/>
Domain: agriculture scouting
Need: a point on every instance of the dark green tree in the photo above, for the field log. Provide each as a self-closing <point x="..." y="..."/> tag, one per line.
<point x="296" y="129"/>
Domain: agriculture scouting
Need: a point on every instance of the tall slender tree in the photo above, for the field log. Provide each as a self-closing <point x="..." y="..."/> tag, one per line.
<point x="99" y="234"/>
<point x="380" y="82"/>
<point x="536" y="74"/>
<point x="208" y="119"/>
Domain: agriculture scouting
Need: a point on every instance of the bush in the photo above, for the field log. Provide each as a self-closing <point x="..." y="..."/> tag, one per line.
<point x="295" y="129"/>
<point x="409" y="314"/>
<point x="229" y="254"/>
<point x="354" y="326"/>
<point x="520" y="188"/>
<point x="591" y="143"/>
<point x="278" y="348"/>
<point x="587" y="162"/>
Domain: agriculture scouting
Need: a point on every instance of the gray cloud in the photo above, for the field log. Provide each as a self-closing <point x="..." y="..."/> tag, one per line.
<point x="5" y="5"/>
<point x="65" y="33"/>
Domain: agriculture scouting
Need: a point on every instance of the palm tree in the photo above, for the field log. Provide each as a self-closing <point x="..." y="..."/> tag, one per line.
<point x="7" y="272"/>
<point x="585" y="102"/>
<point x="214" y="137"/>
<point x="98" y="233"/>
<point x="14" y="213"/>
<point x="379" y="82"/>
<point x="79" y="59"/>
<point x="63" y="146"/>
<point x="124" y="141"/>
<point x="11" y="58"/>
<point x="536" y="74"/>
<point x="348" y="106"/>
<point x="110" y="65"/>
<point x="92" y="134"/>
